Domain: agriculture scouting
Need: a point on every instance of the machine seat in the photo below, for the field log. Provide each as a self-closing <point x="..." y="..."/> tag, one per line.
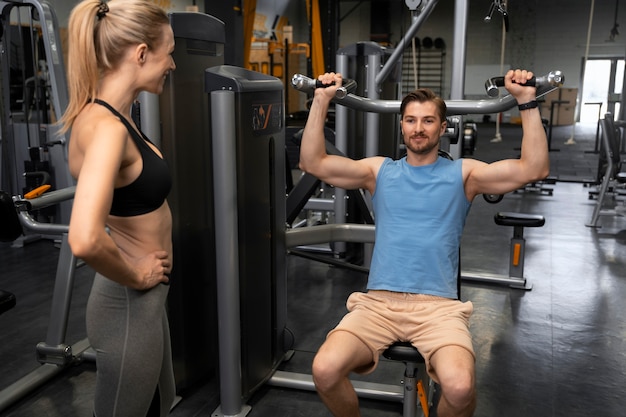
<point x="519" y="219"/>
<point x="403" y="351"/>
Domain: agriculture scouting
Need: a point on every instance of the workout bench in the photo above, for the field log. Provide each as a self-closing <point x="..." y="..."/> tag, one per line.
<point x="518" y="221"/>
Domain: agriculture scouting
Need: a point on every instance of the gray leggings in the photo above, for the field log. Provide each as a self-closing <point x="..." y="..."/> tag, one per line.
<point x="130" y="333"/>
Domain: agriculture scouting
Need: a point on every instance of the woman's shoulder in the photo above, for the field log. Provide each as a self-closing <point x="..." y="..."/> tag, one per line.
<point x="94" y="121"/>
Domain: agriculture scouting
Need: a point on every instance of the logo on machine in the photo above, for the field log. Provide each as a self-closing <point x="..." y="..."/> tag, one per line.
<point x="265" y="116"/>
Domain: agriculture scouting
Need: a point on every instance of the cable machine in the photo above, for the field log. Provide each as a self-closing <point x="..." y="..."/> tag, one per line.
<point x="33" y="96"/>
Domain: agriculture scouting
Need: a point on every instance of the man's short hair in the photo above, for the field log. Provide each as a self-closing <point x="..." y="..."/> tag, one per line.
<point x="423" y="95"/>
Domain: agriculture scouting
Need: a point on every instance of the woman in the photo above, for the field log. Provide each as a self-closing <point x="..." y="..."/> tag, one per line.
<point x="121" y="223"/>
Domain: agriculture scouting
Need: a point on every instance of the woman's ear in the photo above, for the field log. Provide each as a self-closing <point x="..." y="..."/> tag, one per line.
<point x="140" y="53"/>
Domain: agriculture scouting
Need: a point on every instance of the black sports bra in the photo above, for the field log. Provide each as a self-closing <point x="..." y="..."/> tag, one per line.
<point x="148" y="192"/>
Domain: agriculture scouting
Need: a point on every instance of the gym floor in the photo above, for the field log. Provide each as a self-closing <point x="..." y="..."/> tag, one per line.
<point x="557" y="350"/>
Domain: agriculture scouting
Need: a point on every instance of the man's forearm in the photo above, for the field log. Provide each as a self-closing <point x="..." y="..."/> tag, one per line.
<point x="534" y="151"/>
<point x="313" y="146"/>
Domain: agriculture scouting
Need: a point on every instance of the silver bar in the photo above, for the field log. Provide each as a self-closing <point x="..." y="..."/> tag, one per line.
<point x="44" y="228"/>
<point x="457" y="85"/>
<point x="341" y="142"/>
<point x="50" y="198"/>
<point x="372" y="119"/>
<point x="344" y="232"/>
<point x="363" y="389"/>
<point x="372" y="131"/>
<point x="455" y="107"/>
<point x="62" y="295"/>
<point x="227" y="249"/>
<point x="396" y="55"/>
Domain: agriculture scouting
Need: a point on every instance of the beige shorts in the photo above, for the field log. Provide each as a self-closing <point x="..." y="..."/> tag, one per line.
<point x="380" y="318"/>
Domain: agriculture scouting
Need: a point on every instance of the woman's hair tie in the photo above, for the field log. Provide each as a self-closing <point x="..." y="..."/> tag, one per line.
<point x="103" y="8"/>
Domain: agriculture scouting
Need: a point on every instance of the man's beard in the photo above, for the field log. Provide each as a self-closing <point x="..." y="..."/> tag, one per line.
<point x="425" y="148"/>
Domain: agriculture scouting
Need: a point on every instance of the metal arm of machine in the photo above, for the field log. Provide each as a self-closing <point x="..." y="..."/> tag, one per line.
<point x="45" y="200"/>
<point x="455" y="107"/>
<point x="48" y="199"/>
<point x="345" y="232"/>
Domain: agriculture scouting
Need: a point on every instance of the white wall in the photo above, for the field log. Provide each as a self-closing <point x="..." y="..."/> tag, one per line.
<point x="543" y="36"/>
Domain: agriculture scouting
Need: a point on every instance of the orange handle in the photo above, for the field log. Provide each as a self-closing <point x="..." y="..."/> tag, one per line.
<point x="37" y="191"/>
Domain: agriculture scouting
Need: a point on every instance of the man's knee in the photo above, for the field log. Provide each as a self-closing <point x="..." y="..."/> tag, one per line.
<point x="459" y="391"/>
<point x="341" y="354"/>
<point x="325" y="370"/>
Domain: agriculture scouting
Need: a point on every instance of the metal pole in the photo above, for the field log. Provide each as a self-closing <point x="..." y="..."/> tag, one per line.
<point x="498" y="136"/>
<point x="341" y="143"/>
<point x="372" y="119"/>
<point x="372" y="130"/>
<point x="227" y="251"/>
<point x="398" y="51"/>
<point x="457" y="85"/>
<point x="60" y="309"/>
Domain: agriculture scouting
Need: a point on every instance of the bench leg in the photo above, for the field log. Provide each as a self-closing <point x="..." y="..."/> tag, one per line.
<point x="410" y="391"/>
<point x="516" y="258"/>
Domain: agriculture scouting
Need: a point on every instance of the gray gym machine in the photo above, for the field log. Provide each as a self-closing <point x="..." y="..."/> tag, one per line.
<point x="365" y="233"/>
<point x="240" y="138"/>
<point x="33" y="96"/>
<point x="178" y="118"/>
<point x="234" y="92"/>
<point x="248" y="140"/>
<point x="227" y="171"/>
<point x="544" y="84"/>
<point x="222" y="132"/>
<point x="54" y="353"/>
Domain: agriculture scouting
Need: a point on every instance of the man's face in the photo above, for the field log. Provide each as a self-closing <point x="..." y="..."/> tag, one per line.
<point x="421" y="127"/>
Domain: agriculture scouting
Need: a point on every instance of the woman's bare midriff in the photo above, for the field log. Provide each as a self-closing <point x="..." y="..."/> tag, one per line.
<point x="137" y="236"/>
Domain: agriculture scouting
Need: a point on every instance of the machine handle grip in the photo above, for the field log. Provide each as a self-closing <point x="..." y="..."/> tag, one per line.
<point x="37" y="191"/>
<point x="553" y="78"/>
<point x="303" y="83"/>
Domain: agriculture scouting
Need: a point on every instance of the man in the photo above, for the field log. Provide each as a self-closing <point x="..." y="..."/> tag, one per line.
<point x="421" y="203"/>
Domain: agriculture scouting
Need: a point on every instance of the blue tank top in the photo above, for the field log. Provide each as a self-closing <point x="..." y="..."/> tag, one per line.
<point x="148" y="192"/>
<point x="420" y="215"/>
